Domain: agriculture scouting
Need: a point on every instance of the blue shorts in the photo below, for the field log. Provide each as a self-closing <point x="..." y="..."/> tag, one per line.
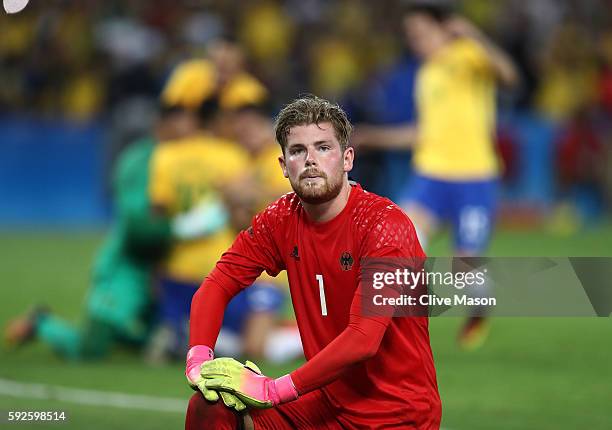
<point x="175" y="304"/>
<point x="469" y="206"/>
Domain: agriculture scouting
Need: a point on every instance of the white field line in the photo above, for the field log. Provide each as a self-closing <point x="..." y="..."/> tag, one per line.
<point x="92" y="397"/>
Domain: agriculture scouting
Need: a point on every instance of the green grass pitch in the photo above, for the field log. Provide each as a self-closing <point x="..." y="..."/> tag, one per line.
<point x="536" y="373"/>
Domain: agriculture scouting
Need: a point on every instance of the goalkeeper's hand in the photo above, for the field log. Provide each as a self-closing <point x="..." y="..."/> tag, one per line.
<point x="196" y="356"/>
<point x="247" y="383"/>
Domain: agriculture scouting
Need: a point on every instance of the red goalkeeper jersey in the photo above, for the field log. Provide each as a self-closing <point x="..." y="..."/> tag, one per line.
<point x="373" y="369"/>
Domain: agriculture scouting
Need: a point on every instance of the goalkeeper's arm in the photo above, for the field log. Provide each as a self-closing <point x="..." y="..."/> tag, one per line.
<point x="401" y="136"/>
<point x="358" y="342"/>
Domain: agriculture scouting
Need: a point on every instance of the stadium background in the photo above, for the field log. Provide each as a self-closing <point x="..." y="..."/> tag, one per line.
<point x="79" y="79"/>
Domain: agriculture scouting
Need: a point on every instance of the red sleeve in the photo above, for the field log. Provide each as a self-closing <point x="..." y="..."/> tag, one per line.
<point x="253" y="251"/>
<point x="392" y="235"/>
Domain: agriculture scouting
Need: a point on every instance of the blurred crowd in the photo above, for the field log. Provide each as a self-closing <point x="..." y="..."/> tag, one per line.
<point x="78" y="59"/>
<point x="94" y="59"/>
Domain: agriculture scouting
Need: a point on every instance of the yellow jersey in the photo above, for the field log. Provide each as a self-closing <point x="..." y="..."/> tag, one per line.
<point x="185" y="173"/>
<point x="455" y="96"/>
<point x="269" y="175"/>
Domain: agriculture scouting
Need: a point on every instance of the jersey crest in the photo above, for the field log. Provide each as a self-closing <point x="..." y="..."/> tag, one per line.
<point x="346" y="261"/>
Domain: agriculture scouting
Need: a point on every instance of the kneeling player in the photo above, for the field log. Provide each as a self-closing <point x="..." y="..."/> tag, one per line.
<point x="361" y="371"/>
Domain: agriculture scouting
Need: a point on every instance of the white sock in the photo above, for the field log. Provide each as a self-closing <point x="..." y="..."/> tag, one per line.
<point x="283" y="344"/>
<point x="229" y="344"/>
<point x="480" y="291"/>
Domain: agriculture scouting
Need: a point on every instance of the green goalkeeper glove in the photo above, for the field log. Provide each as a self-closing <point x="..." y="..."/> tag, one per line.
<point x="247" y="383"/>
<point x="196" y="356"/>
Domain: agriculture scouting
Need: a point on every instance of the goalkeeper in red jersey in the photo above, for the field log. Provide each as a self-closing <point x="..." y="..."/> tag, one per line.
<point x="362" y="371"/>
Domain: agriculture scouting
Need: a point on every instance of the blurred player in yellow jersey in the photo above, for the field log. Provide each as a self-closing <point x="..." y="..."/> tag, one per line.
<point x="251" y="127"/>
<point x="455" y="162"/>
<point x="191" y="181"/>
<point x="248" y="121"/>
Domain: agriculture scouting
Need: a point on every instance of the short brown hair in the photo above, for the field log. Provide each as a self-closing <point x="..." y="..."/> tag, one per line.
<point x="310" y="109"/>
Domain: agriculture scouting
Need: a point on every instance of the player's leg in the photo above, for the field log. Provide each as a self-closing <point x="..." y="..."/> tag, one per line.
<point x="169" y="339"/>
<point x="424" y="202"/>
<point x="39" y="323"/>
<point x="310" y="412"/>
<point x="264" y="302"/>
<point x="473" y="218"/>
<point x="284" y="343"/>
<point x="114" y="306"/>
<point x="68" y="340"/>
<point x="247" y="321"/>
<point x="202" y="415"/>
<point x="251" y="326"/>
<point x="475" y="329"/>
<point x="261" y="332"/>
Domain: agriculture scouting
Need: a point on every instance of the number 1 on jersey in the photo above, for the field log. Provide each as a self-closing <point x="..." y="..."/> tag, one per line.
<point x="322" y="295"/>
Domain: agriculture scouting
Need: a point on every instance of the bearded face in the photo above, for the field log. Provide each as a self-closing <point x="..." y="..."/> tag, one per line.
<point x="314" y="186"/>
<point x="315" y="163"/>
